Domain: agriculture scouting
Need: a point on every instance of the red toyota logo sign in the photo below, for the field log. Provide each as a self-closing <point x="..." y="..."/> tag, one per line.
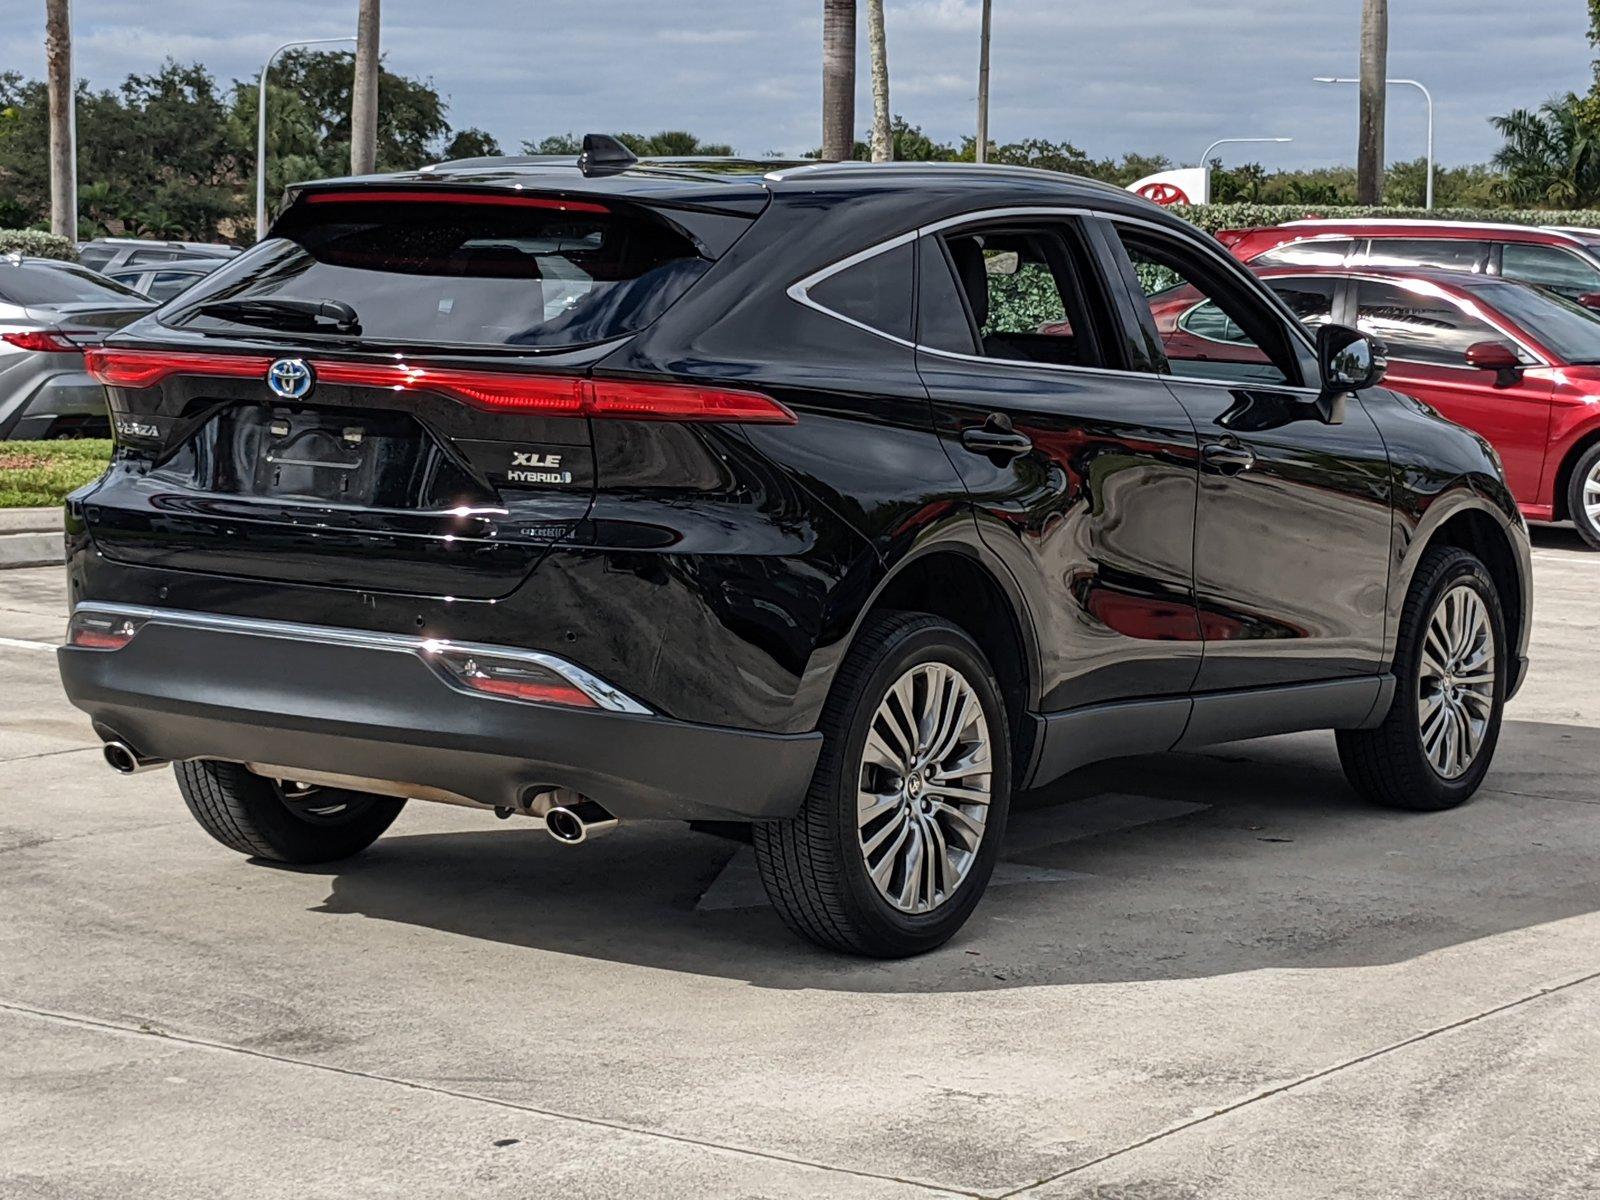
<point x="1163" y="193"/>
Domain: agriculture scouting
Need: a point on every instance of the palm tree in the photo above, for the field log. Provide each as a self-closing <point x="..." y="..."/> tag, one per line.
<point x="838" y="79"/>
<point x="1551" y="157"/>
<point x="1374" y="92"/>
<point x="878" y="50"/>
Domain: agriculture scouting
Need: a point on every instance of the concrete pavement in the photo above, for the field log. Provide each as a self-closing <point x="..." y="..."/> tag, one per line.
<point x="1202" y="975"/>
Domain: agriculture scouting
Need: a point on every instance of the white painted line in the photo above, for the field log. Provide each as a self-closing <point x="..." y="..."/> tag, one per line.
<point x="22" y="644"/>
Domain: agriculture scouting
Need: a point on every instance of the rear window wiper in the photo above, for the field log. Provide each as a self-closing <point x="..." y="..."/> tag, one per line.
<point x="272" y="310"/>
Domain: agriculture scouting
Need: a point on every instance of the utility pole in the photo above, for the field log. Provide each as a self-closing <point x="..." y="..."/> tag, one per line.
<point x="878" y="51"/>
<point x="364" y="95"/>
<point x="982" y="149"/>
<point x="838" y="79"/>
<point x="63" y="127"/>
<point x="1374" y="74"/>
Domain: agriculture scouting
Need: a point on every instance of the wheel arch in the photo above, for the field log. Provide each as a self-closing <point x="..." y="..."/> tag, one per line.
<point x="1466" y="520"/>
<point x="960" y="580"/>
<point x="1559" y="509"/>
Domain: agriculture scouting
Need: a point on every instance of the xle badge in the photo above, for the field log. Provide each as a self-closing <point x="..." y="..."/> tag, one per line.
<point x="530" y="466"/>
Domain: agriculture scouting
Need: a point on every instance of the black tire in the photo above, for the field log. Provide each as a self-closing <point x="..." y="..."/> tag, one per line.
<point x="813" y="865"/>
<point x="1388" y="764"/>
<point x="253" y="814"/>
<point x="1588" y="528"/>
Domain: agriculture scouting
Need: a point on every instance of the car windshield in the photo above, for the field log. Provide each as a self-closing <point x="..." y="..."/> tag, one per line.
<point x="529" y="272"/>
<point x="1565" y="326"/>
<point x="35" y="283"/>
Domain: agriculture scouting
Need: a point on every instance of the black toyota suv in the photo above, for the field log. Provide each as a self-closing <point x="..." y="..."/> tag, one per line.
<point x="841" y="501"/>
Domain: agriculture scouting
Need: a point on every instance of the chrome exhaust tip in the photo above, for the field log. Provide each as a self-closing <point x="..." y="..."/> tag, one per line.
<point x="576" y="823"/>
<point x="124" y="760"/>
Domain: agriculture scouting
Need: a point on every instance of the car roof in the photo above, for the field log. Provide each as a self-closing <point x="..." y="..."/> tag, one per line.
<point x="710" y="180"/>
<point x="1416" y="226"/>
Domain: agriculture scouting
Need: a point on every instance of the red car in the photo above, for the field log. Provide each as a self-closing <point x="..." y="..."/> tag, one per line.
<point x="1520" y="365"/>
<point x="1565" y="260"/>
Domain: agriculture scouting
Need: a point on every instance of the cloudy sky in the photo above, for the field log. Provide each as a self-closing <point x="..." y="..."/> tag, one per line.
<point x="1159" y="76"/>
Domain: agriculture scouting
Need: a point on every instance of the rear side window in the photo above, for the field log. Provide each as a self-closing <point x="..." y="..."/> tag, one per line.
<point x="1449" y="254"/>
<point x="1549" y="266"/>
<point x="1309" y="299"/>
<point x="33" y="283"/>
<point x="524" y="272"/>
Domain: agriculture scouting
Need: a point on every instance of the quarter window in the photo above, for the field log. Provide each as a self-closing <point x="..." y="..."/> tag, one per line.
<point x="875" y="291"/>
<point x="1309" y="299"/>
<point x="1549" y="266"/>
<point x="1417" y="327"/>
<point x="1317" y="252"/>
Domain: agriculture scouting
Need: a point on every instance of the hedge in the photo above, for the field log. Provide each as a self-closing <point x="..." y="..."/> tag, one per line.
<point x="37" y="244"/>
<point x="1213" y="217"/>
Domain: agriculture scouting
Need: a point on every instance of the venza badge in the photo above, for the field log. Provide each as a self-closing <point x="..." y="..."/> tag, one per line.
<point x="290" y="378"/>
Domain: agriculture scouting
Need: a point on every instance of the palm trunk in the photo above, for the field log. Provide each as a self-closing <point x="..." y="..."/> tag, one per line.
<point x="63" y="172"/>
<point x="838" y="79"/>
<point x="981" y="147"/>
<point x="878" y="49"/>
<point x="364" y="95"/>
<point x="1374" y="87"/>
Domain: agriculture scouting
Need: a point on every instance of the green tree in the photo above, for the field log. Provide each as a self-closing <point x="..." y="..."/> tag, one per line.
<point x="1551" y="156"/>
<point x="669" y="143"/>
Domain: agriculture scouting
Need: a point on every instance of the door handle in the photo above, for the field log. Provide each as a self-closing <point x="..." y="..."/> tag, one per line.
<point x="997" y="439"/>
<point x="1227" y="458"/>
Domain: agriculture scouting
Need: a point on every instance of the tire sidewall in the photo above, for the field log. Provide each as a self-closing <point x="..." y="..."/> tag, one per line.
<point x="928" y="643"/>
<point x="1437" y="790"/>
<point x="1575" y="510"/>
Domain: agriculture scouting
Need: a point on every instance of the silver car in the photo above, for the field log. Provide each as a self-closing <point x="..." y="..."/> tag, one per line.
<point x="49" y="312"/>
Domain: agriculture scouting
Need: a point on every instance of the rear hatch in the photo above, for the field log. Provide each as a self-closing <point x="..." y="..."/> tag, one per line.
<point x="391" y="393"/>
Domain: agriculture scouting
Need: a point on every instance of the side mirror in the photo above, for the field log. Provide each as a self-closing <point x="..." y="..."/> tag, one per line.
<point x="1349" y="359"/>
<point x="1590" y="299"/>
<point x="1495" y="356"/>
<point x="1492" y="356"/>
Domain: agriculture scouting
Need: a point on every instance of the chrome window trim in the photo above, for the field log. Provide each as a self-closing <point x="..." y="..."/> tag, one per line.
<point x="799" y="292"/>
<point x="605" y="696"/>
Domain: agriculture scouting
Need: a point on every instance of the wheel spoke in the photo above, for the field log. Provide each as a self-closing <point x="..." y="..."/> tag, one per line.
<point x="872" y="805"/>
<point x="884" y="871"/>
<point x="912" y="857"/>
<point x="894" y="825"/>
<point x="965" y="826"/>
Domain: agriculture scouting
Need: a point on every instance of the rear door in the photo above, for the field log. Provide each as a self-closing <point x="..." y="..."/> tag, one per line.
<point x="1428" y="333"/>
<point x="1083" y="470"/>
<point x="1293" y="530"/>
<point x="430" y="436"/>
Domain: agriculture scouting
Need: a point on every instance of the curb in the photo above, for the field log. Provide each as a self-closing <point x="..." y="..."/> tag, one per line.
<point x="30" y="537"/>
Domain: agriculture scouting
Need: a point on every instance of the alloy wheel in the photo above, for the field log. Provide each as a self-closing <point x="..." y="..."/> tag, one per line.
<point x="923" y="788"/>
<point x="1455" y="685"/>
<point x="1591" y="496"/>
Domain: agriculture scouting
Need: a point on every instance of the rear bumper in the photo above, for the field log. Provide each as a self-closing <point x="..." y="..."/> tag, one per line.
<point x="341" y="702"/>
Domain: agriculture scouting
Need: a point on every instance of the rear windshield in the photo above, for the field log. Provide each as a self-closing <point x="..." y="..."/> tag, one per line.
<point x="473" y="271"/>
<point x="59" y="283"/>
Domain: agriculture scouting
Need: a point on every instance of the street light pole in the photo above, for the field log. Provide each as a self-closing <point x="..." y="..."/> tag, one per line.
<point x="1426" y="95"/>
<point x="1205" y="158"/>
<point x="261" y="128"/>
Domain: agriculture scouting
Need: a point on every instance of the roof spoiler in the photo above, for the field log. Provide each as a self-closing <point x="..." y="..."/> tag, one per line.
<point x="604" y="155"/>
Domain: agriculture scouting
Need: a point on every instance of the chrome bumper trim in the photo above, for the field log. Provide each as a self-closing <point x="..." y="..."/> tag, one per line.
<point x="602" y="693"/>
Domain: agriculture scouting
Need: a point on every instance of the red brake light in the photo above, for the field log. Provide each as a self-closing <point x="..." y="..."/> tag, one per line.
<point x="146" y="368"/>
<point x="38" y="339"/>
<point x="492" y="391"/>
<point x="102" y="631"/>
<point x="453" y="197"/>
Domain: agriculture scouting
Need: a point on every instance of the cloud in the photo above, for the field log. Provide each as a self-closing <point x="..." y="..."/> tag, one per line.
<point x="1159" y="76"/>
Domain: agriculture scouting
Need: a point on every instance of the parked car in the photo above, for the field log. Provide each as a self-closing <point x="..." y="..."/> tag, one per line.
<point x="50" y="312"/>
<point x="1564" y="260"/>
<point x="112" y="253"/>
<point x="1518" y="364"/>
<point x="161" y="282"/>
<point x="790" y="519"/>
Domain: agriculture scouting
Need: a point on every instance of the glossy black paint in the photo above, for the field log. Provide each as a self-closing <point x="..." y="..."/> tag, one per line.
<point x="718" y="573"/>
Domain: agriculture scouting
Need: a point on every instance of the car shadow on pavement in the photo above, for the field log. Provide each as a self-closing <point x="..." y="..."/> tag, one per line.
<point x="1252" y="856"/>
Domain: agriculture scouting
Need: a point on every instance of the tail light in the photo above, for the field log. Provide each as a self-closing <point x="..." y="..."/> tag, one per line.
<point x="512" y="679"/>
<point x="492" y="391"/>
<point x="102" y="631"/>
<point x="50" y="340"/>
